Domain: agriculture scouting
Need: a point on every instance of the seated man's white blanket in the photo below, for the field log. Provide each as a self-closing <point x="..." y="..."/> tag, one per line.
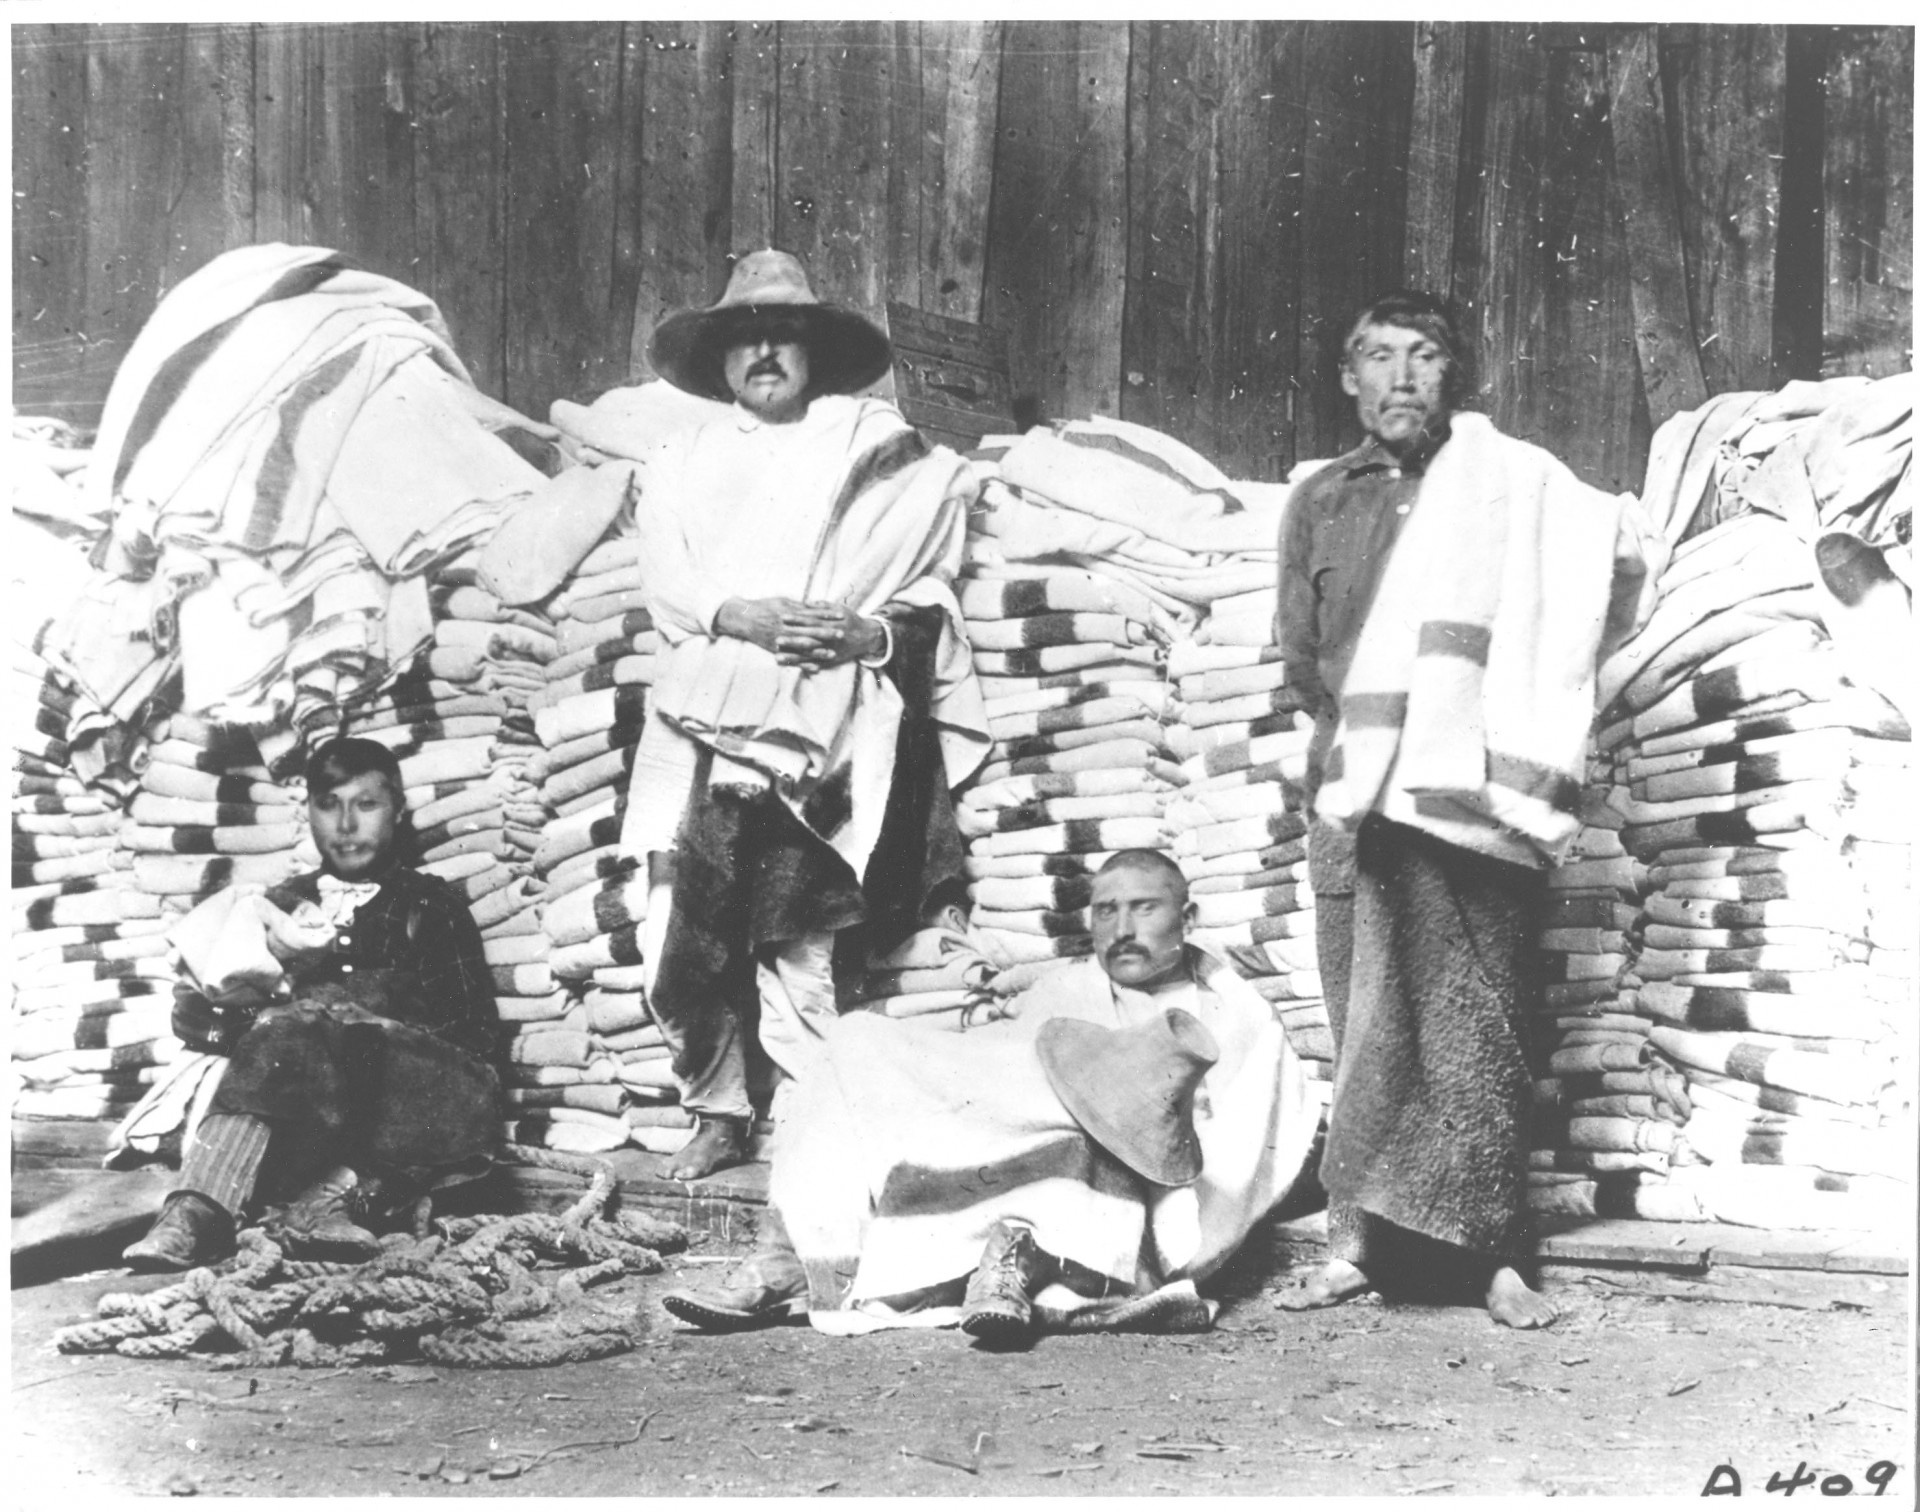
<point x="910" y="1142"/>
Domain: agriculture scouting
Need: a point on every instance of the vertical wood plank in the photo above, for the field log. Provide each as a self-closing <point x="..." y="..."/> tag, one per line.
<point x="1494" y="291"/>
<point x="917" y="79"/>
<point x="957" y="241"/>
<point x="459" y="188"/>
<point x="52" y="372"/>
<point x="136" y="75"/>
<point x="288" y="111"/>
<point x="1729" y="89"/>
<point x="1642" y="146"/>
<point x="1358" y="81"/>
<point x="364" y="202"/>
<point x="1578" y="390"/>
<point x="1869" y="203"/>
<point x="836" y="111"/>
<point x="686" y="190"/>
<point x="1799" y="245"/>
<point x="1056" y="258"/>
<point x="233" y="65"/>
<point x="568" y="126"/>
<point x="756" y="136"/>
<point x="1433" y="153"/>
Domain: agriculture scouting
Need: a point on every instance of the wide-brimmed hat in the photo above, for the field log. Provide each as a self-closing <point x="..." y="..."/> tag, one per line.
<point x="1132" y="1089"/>
<point x="845" y="350"/>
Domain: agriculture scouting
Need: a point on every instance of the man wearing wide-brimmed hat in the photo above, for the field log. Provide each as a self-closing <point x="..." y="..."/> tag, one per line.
<point x="815" y="700"/>
<point x="1077" y="1163"/>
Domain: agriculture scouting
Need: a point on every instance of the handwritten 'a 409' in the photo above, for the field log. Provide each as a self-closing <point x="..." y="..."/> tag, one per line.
<point x="1725" y="1480"/>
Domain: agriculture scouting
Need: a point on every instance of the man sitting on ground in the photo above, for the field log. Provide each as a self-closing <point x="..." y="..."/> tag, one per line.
<point x="371" y="1069"/>
<point x="927" y="1178"/>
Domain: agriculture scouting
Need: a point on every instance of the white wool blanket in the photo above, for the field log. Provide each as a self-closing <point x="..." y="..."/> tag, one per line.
<point x="1467" y="706"/>
<point x="909" y="1142"/>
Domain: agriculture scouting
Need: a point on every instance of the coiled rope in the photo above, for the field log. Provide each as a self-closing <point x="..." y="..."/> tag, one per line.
<point x="492" y="1291"/>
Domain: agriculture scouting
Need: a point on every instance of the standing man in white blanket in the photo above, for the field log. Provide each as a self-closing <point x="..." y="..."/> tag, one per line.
<point x="1446" y="593"/>
<point x="932" y="1176"/>
<point x="816" y="700"/>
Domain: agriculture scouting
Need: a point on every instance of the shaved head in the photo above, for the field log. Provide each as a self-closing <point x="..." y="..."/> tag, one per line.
<point x="1154" y="863"/>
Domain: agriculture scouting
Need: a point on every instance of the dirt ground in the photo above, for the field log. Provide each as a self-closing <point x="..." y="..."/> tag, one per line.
<point x="1626" y="1394"/>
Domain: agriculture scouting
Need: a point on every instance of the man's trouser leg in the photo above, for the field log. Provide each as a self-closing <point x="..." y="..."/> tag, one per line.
<point x="1348" y="1227"/>
<point x="223" y="1158"/>
<point x="796" y="1005"/>
<point x="717" y="1087"/>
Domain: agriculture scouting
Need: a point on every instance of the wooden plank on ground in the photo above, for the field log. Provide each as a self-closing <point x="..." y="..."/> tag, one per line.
<point x="756" y="135"/>
<point x="1869" y="202"/>
<point x="686" y="189"/>
<point x="569" y="128"/>
<point x="1433" y="152"/>
<point x="1729" y="84"/>
<point x="1056" y="253"/>
<point x="53" y="372"/>
<point x="459" y="188"/>
<point x="1642" y="145"/>
<point x="1627" y="1241"/>
<point x="835" y="147"/>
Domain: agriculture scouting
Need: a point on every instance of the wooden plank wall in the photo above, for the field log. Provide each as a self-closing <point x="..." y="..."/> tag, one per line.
<point x="1171" y="221"/>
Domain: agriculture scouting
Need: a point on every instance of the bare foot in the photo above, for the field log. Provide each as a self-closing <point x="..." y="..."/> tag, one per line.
<point x="716" y="1144"/>
<point x="1512" y="1302"/>
<point x="1335" y="1282"/>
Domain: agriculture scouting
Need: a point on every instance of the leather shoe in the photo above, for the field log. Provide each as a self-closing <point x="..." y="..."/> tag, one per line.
<point x="998" y="1310"/>
<point x="191" y="1230"/>
<point x="766" y="1290"/>
<point x="320" y="1221"/>
<point x="718" y="1142"/>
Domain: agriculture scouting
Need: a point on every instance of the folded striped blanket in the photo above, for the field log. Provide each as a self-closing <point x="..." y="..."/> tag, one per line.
<point x="578" y="635"/>
<point x="1152" y="698"/>
<point x="616" y="1012"/>
<point x="1055" y="924"/>
<point x="585" y="714"/>
<point x="152" y="809"/>
<point x="1078" y="836"/>
<point x="1040" y="661"/>
<point x="1576" y="1059"/>
<point x="1202" y="806"/>
<point x="1122" y="753"/>
<point x="1797" y="822"/>
<point x="1256" y="832"/>
<point x="975" y="821"/>
<point x="1009" y="948"/>
<point x="1071" y="592"/>
<point x="1246" y="862"/>
<point x="620" y="978"/>
<point x="1840" y="1070"/>
<point x="1298" y="996"/>
<point x="578" y="833"/>
<point x="1034" y="864"/>
<point x="614" y="674"/>
<point x="1287" y="926"/>
<point x="1013" y="728"/>
<point x="200" y="840"/>
<point x="1732" y="1089"/>
<point x="1010" y="792"/>
<point x="1258" y="881"/>
<point x="1140" y="680"/>
<point x="1231" y="682"/>
<point x="601" y="908"/>
<point x="1219" y="910"/>
<point x="1241" y="709"/>
<point x="503" y="642"/>
<point x="1051" y="894"/>
<point x="1816" y="1015"/>
<point x="1041" y="631"/>
<point x="476" y="798"/>
<point x="448" y="761"/>
<point x="28" y="822"/>
<point x="619" y="947"/>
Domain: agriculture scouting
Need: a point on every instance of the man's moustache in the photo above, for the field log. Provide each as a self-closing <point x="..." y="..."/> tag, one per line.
<point x="769" y="368"/>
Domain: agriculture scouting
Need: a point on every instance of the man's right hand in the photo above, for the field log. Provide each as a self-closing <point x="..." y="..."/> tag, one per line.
<point x="788" y="628"/>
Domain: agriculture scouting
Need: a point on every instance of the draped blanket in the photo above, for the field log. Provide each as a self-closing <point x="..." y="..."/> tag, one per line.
<point x="287" y="435"/>
<point x="912" y="1141"/>
<point x="826" y="736"/>
<point x="1467" y="706"/>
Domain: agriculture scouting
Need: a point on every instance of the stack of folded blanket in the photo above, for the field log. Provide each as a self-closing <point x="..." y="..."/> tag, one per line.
<point x="1756" y="854"/>
<point x="92" y="982"/>
<point x="588" y="717"/>
<point x="209" y="815"/>
<point x="1607" y="1110"/>
<point x="1240" y="830"/>
<point x="933" y="972"/>
<point x="1070" y="663"/>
